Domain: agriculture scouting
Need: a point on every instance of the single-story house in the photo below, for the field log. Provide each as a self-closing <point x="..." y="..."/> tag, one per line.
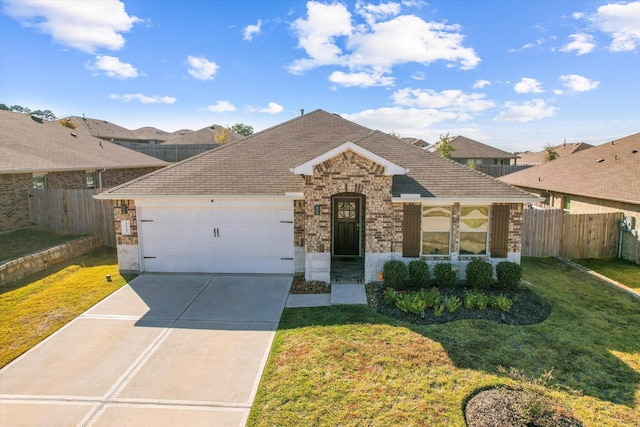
<point x="293" y="197"/>
<point x="205" y="135"/>
<point x="562" y="150"/>
<point x="473" y="153"/>
<point x="36" y="153"/>
<point x="604" y="178"/>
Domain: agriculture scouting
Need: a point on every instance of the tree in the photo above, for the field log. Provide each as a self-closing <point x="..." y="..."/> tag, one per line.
<point x="445" y="147"/>
<point x="222" y="135"/>
<point x="20" y="109"/>
<point x="3" y="107"/>
<point x="550" y="153"/>
<point x="242" y="129"/>
<point x="45" y="114"/>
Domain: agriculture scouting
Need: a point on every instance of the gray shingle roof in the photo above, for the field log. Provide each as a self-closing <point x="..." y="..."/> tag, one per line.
<point x="467" y="148"/>
<point x="102" y="129"/>
<point x="261" y="164"/>
<point x="610" y="171"/>
<point x="563" y="150"/>
<point x="202" y="136"/>
<point x="28" y="146"/>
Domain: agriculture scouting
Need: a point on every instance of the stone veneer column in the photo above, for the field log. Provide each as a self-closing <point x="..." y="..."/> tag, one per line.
<point x="515" y="232"/>
<point x="127" y="245"/>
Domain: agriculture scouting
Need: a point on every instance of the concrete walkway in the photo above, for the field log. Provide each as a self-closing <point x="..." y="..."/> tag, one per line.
<point x="341" y="294"/>
<point x="164" y="350"/>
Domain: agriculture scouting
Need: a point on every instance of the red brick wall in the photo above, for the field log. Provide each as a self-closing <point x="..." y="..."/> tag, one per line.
<point x="72" y="180"/>
<point x="14" y="201"/>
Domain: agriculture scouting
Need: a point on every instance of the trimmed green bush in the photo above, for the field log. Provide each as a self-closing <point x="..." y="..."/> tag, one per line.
<point x="395" y="272"/>
<point x="419" y="273"/>
<point x="509" y="274"/>
<point x="446" y="274"/>
<point x="480" y="274"/>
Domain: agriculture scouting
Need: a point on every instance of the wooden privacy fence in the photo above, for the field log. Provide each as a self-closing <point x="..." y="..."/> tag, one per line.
<point x="553" y="232"/>
<point x="169" y="152"/>
<point x="500" y="170"/>
<point x="72" y="211"/>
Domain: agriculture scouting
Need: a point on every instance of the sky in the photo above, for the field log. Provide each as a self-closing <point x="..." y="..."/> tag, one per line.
<point x="517" y="75"/>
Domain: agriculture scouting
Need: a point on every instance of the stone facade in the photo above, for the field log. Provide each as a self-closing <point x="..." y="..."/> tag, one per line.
<point x="127" y="244"/>
<point x="14" y="201"/>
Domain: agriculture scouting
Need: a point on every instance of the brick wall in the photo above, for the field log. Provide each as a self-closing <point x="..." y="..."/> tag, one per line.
<point x="298" y="222"/>
<point x="72" y="180"/>
<point x="113" y="177"/>
<point x="14" y="201"/>
<point x="350" y="173"/>
<point x="515" y="227"/>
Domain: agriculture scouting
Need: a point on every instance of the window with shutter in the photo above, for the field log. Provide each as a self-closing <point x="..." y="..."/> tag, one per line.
<point x="499" y="231"/>
<point x="411" y="231"/>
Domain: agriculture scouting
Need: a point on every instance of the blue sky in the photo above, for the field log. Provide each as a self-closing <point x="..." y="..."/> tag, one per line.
<point x="517" y="75"/>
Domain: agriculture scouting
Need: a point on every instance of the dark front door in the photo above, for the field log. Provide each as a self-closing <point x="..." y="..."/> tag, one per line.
<point x="346" y="237"/>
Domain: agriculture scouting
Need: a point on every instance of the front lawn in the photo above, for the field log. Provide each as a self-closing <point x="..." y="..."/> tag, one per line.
<point x="620" y="270"/>
<point x="351" y="366"/>
<point x="24" y="242"/>
<point x="39" y="305"/>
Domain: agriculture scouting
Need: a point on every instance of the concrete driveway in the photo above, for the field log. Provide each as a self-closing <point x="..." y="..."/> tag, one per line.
<point x="164" y="350"/>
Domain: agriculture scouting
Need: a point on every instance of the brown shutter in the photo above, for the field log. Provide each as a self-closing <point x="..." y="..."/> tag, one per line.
<point x="499" y="231"/>
<point x="411" y="231"/>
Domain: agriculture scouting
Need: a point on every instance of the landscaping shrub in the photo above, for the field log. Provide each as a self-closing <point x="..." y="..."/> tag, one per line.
<point x="395" y="273"/>
<point x="509" y="274"/>
<point x="446" y="274"/>
<point x="419" y="273"/>
<point x="480" y="274"/>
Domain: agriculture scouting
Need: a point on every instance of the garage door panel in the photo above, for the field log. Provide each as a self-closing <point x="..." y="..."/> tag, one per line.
<point x="218" y="240"/>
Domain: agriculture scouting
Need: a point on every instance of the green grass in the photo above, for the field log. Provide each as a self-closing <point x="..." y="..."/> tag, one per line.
<point x="37" y="306"/>
<point x="24" y="242"/>
<point x="620" y="270"/>
<point x="350" y="366"/>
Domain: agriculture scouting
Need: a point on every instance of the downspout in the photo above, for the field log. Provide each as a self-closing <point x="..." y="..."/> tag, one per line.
<point x="100" y="178"/>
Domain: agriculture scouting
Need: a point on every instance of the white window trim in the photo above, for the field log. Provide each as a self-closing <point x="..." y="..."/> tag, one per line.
<point x="422" y="231"/>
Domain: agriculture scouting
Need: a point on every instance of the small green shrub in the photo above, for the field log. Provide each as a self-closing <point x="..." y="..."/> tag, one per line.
<point x="395" y="273"/>
<point x="509" y="274"/>
<point x="419" y="273"/>
<point x="501" y="302"/>
<point x="452" y="303"/>
<point x="390" y="296"/>
<point x="446" y="274"/>
<point x="432" y="296"/>
<point x="475" y="299"/>
<point x="480" y="274"/>
<point x="411" y="302"/>
<point x="437" y="311"/>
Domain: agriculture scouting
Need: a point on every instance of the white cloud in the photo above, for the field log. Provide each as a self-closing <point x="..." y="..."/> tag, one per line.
<point x="113" y="67"/>
<point x="582" y="43"/>
<point x="372" y="13"/>
<point x="525" y="112"/>
<point x="144" y="99"/>
<point x="221" y="107"/>
<point x="330" y="36"/>
<point x="528" y="85"/>
<point x="361" y="79"/>
<point x="251" y="30"/>
<point x="479" y="84"/>
<point x="577" y="83"/>
<point x="418" y="76"/>
<point x="449" y="100"/>
<point x="406" y="121"/>
<point x="201" y="68"/>
<point x="82" y="25"/>
<point x="621" y="21"/>
<point x="272" y="108"/>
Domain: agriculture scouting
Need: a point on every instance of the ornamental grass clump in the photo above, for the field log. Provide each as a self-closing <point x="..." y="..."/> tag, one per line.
<point x="480" y="274"/>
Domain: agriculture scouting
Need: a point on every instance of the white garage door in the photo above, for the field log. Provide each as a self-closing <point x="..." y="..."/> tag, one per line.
<point x="217" y="240"/>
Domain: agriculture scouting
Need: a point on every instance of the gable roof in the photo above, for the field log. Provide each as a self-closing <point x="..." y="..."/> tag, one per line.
<point x="102" y="129"/>
<point x="261" y="164"/>
<point x="28" y="146"/>
<point x="563" y="150"/>
<point x="610" y="171"/>
<point x="467" y="148"/>
<point x="149" y="133"/>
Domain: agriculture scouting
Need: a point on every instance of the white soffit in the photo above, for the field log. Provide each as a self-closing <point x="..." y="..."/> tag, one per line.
<point x="390" y="168"/>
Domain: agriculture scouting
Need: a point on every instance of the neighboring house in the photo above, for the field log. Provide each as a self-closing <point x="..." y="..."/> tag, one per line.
<point x="473" y="153"/>
<point x="604" y="178"/>
<point x="102" y="129"/>
<point x="204" y="136"/>
<point x="563" y="150"/>
<point x="42" y="154"/>
<point x="293" y="197"/>
<point x="417" y="142"/>
<point x="153" y="135"/>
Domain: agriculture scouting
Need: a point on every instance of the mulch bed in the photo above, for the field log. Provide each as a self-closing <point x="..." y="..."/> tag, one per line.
<point x="499" y="408"/>
<point x="527" y="309"/>
<point x="301" y="286"/>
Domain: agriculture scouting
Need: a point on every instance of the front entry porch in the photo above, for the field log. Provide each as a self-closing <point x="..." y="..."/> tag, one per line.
<point x="347" y="270"/>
